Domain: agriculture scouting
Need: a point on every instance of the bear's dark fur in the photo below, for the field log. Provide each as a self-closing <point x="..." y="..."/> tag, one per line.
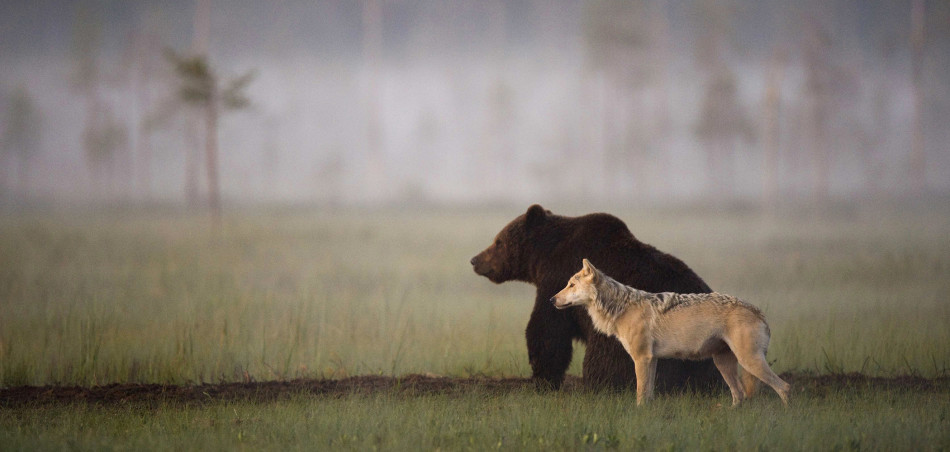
<point x="544" y="249"/>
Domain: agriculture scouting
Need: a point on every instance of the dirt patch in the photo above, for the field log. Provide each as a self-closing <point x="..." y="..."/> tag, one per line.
<point x="256" y="391"/>
<point x="409" y="385"/>
<point x="824" y="384"/>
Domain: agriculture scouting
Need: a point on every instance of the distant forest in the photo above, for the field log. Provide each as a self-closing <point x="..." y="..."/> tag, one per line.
<point x="378" y="101"/>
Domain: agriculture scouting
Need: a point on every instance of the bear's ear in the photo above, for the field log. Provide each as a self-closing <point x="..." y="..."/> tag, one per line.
<point x="535" y="215"/>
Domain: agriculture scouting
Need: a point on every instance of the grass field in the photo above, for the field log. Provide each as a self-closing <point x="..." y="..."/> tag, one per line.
<point x="483" y="420"/>
<point x="98" y="297"/>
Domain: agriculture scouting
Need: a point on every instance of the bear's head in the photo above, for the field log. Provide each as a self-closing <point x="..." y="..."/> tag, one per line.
<point x="506" y="259"/>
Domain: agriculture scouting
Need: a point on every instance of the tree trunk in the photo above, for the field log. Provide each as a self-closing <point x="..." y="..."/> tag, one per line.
<point x="142" y="145"/>
<point x="191" y="160"/>
<point x="772" y="107"/>
<point x="23" y="174"/>
<point x="918" y="165"/>
<point x="201" y="23"/>
<point x="144" y="156"/>
<point x="716" y="168"/>
<point x="211" y="158"/>
<point x="820" y="151"/>
<point x="372" y="49"/>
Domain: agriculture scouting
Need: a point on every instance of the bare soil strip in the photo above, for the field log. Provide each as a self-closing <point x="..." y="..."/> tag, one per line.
<point x="120" y="394"/>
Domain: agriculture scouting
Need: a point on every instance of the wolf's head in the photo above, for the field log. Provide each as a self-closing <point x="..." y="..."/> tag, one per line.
<point x="581" y="289"/>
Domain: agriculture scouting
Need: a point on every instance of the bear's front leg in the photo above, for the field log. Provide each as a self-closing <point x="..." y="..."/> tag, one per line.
<point x="549" y="335"/>
<point x="607" y="365"/>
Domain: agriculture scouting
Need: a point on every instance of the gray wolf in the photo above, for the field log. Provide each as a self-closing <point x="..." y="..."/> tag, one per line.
<point x="672" y="325"/>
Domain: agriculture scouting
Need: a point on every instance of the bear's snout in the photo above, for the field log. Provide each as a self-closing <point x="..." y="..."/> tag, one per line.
<point x="553" y="299"/>
<point x="483" y="267"/>
<point x="479" y="265"/>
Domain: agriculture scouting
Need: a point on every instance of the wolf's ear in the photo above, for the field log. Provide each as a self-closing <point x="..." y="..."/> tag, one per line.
<point x="535" y="215"/>
<point x="588" y="268"/>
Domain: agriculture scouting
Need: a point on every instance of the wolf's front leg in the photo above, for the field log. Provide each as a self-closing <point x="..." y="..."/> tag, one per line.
<point x="646" y="372"/>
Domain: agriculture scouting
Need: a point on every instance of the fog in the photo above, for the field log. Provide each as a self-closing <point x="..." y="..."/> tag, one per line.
<point x="454" y="102"/>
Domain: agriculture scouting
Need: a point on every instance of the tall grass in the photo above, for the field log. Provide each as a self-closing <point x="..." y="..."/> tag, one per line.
<point x="100" y="297"/>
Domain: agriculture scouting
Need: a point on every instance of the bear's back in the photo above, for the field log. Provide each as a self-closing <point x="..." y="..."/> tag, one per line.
<point x="606" y="241"/>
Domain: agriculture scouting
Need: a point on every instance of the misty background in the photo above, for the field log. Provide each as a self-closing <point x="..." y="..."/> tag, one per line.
<point x="375" y="102"/>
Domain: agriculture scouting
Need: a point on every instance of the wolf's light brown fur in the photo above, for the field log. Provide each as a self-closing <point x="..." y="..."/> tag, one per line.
<point x="672" y="325"/>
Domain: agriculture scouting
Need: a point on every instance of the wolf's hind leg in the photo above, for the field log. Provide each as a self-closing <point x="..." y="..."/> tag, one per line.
<point x="728" y="366"/>
<point x="756" y="364"/>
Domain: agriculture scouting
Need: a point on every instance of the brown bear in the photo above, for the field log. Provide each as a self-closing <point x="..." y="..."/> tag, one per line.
<point x="544" y="249"/>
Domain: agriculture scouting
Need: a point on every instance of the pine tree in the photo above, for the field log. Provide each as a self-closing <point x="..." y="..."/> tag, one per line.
<point x="199" y="86"/>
